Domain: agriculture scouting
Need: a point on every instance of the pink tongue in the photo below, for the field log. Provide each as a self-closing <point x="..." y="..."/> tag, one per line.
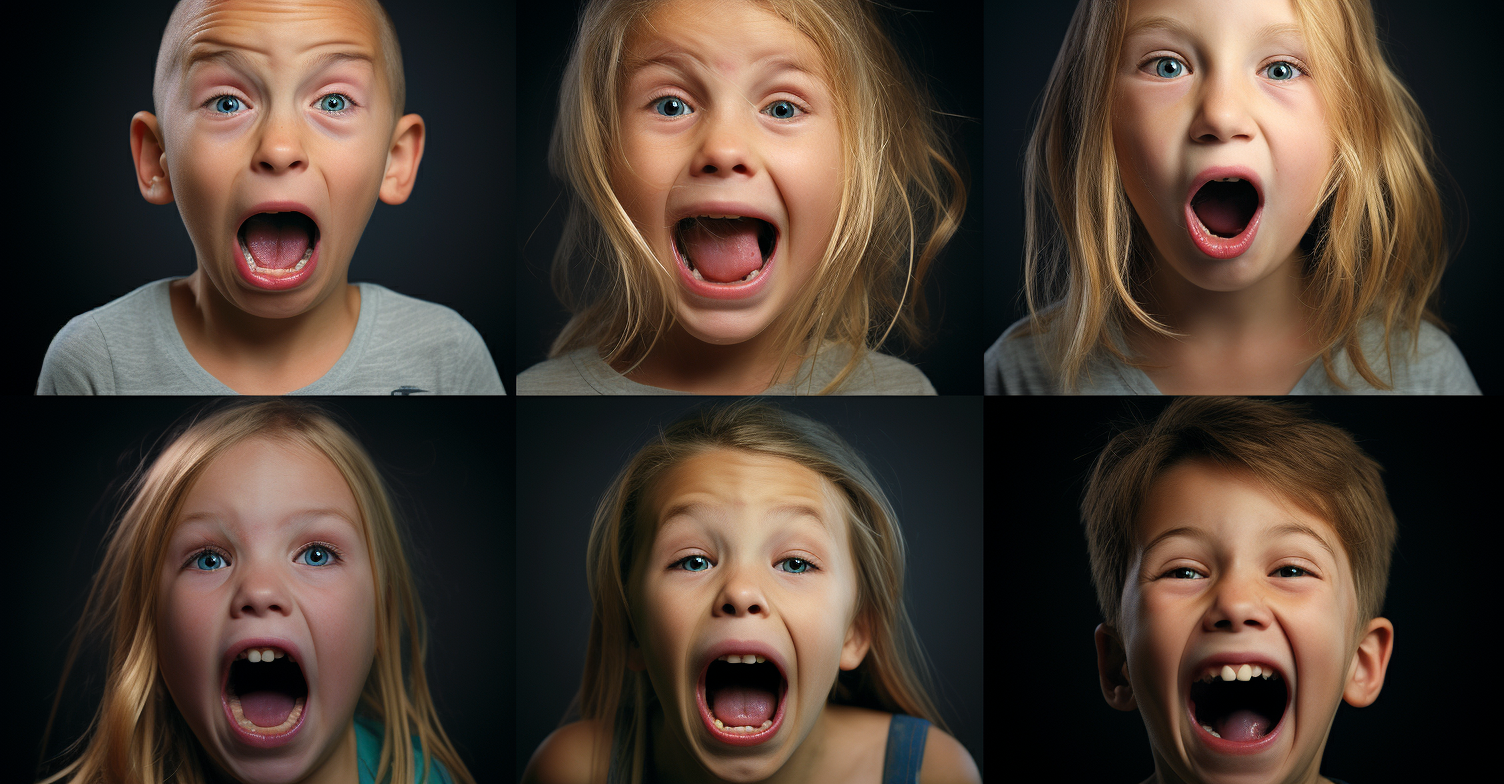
<point x="742" y="706"/>
<point x="1222" y="216"/>
<point x="1242" y="725"/>
<point x="276" y="243"/>
<point x="723" y="249"/>
<point x="266" y="708"/>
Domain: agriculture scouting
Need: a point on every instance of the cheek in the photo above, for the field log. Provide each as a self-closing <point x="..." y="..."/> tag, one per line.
<point x="185" y="645"/>
<point x="344" y="631"/>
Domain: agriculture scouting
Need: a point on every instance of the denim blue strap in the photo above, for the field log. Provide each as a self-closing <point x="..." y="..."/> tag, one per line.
<point x="906" y="736"/>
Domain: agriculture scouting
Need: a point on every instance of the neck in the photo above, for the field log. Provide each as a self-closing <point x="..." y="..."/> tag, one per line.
<point x="682" y="362"/>
<point x="1271" y="305"/>
<point x="673" y="761"/>
<point x="339" y="764"/>
<point x="1308" y="773"/>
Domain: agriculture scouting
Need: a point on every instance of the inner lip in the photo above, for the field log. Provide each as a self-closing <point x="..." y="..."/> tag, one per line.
<point x="1211" y="703"/>
<point x="1240" y="197"/>
<point x="767" y="240"/>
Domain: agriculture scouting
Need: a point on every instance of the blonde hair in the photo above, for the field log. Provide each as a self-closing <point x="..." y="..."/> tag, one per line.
<point x="1377" y="247"/>
<point x="902" y="200"/>
<point x="894" y="675"/>
<point x="137" y="734"/>
<point x="1317" y="465"/>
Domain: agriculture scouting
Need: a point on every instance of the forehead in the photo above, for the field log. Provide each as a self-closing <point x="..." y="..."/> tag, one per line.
<point x="724" y="36"/>
<point x="265" y="481"/>
<point x="270" y="28"/>
<point x="1255" y="19"/>
<point x="724" y="486"/>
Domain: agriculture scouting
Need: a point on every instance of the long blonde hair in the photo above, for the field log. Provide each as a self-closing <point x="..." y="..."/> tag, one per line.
<point x="894" y="675"/>
<point x="137" y="734"/>
<point x="903" y="198"/>
<point x="1377" y="245"/>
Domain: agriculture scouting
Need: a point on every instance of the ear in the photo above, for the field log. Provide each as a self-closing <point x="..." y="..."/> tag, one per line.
<point x="151" y="159"/>
<point x="858" y="642"/>
<point x="1112" y="669"/>
<point x="402" y="160"/>
<point x="1369" y="663"/>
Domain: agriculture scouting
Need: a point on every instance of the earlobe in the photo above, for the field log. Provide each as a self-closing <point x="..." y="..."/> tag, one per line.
<point x="858" y="642"/>
<point x="150" y="156"/>
<point x="1370" y="662"/>
<point x="402" y="160"/>
<point x="1112" y="669"/>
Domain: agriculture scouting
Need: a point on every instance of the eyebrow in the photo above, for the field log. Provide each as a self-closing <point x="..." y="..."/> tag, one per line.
<point x="1168" y="24"/>
<point x="1284" y="529"/>
<point x="302" y="515"/>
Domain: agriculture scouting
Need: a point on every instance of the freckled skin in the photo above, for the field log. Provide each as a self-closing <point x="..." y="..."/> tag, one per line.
<point x="255" y="503"/>
<point x="746" y="593"/>
<point x="1224" y="109"/>
<point x="729" y="148"/>
<point x="1238" y="596"/>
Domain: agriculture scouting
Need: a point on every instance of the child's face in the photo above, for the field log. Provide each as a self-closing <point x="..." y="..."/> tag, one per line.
<point x="1233" y="575"/>
<point x="277" y="107"/>
<point x="268" y="554"/>
<point x="1220" y="90"/>
<point x="750" y="555"/>
<point x="726" y="111"/>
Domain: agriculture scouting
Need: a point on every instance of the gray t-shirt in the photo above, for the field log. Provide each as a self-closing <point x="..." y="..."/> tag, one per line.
<point x="583" y="372"/>
<point x="401" y="346"/>
<point x="1017" y="366"/>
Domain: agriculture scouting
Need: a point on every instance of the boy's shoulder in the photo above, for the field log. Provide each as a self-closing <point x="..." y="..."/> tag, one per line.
<point x="565" y="756"/>
<point x="405" y="345"/>
<point x="117" y="346"/>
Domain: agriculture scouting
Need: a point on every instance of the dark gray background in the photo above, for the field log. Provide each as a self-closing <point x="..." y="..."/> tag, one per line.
<point x="1440" y="471"/>
<point x="942" y="39"/>
<point x="1443" y="52"/>
<point x="926" y="454"/>
<point x="81" y="235"/>
<point x="448" y="465"/>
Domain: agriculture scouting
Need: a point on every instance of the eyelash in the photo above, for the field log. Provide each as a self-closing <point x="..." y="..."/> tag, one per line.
<point x="1307" y="572"/>
<point x="225" y="556"/>
<point x="350" y="104"/>
<point x="1299" y="67"/>
<point x="810" y="562"/>
<point x="653" y="103"/>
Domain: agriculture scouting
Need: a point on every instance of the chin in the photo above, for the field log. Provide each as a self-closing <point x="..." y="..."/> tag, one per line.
<point x="722" y="328"/>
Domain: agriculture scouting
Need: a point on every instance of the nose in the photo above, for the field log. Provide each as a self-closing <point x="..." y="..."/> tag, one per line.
<point x="260" y="591"/>
<point x="740" y="596"/>
<point x="726" y="147"/>
<point x="1222" y="111"/>
<point x="1237" y="604"/>
<point x="280" y="148"/>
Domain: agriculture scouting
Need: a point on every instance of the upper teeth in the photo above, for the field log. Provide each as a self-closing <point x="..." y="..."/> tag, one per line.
<point x="1242" y="673"/>
<point x="1229" y="179"/>
<point x="740" y="658"/>
<point x="718" y="216"/>
<point x="261" y="654"/>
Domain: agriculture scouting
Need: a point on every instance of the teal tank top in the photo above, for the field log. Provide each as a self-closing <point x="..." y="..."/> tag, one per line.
<point x="368" y="734"/>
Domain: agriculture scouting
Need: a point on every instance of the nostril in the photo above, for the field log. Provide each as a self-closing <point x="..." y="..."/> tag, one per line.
<point x="708" y="169"/>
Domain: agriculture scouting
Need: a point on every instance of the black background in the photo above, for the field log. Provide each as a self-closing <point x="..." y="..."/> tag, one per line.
<point x="942" y="40"/>
<point x="449" y="469"/>
<point x="1441" y="469"/>
<point x="80" y="234"/>
<point x="1444" y="53"/>
<point x="925" y="453"/>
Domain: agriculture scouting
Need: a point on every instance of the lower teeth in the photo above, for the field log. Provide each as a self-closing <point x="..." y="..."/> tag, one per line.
<point x="750" y="276"/>
<point x="249" y="726"/>
<point x="743" y="730"/>
<point x="1212" y="731"/>
<point x="307" y="254"/>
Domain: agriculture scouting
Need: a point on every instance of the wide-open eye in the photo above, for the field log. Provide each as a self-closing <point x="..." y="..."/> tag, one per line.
<point x="208" y="561"/>
<point x="226" y="104"/>
<point x="1282" y="71"/>
<point x="316" y="555"/>
<point x="783" y="110"/>
<point x="798" y="566"/>
<point x="670" y="106"/>
<point x="334" y="102"/>
<point x="1168" y="68"/>
<point x="693" y="563"/>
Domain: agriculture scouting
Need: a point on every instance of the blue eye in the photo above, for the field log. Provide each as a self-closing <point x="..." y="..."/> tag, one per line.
<point x="226" y="104"/>
<point x="693" y="563"/>
<point x="334" y="102"/>
<point x="797" y="565"/>
<point x="669" y="106"/>
<point x="1282" y="71"/>
<point x="316" y="555"/>
<point x="209" y="561"/>
<point x="1168" y="67"/>
<point x="783" y="110"/>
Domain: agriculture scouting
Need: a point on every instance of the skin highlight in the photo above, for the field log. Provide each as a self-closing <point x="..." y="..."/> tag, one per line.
<point x="261" y="505"/>
<point x="745" y="515"/>
<point x="732" y="66"/>
<point x="1238" y="580"/>
<point x="274" y="140"/>
<point x="1245" y="329"/>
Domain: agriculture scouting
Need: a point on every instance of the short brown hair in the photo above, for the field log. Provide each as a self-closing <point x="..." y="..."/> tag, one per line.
<point x="1315" y="464"/>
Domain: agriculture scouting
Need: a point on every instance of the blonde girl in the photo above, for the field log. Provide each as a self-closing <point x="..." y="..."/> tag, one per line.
<point x="746" y="573"/>
<point x="1229" y="198"/>
<point x="261" y="620"/>
<point x="758" y="189"/>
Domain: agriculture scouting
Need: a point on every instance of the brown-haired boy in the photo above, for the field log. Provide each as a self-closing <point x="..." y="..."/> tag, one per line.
<point x="278" y="124"/>
<point x="1240" y="552"/>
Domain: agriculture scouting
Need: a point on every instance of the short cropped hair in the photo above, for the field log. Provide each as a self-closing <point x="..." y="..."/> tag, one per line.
<point x="1315" y="464"/>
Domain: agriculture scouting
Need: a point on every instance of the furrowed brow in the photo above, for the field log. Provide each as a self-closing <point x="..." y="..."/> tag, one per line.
<point x="201" y="55"/>
<point x="1170" y="25"/>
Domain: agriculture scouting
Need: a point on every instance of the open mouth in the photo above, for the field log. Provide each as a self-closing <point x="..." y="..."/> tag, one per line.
<point x="741" y="698"/>
<point x="266" y="692"/>
<point x="1239" y="703"/>
<point x="278" y="242"/>
<point x="725" y="249"/>
<point x="1226" y="206"/>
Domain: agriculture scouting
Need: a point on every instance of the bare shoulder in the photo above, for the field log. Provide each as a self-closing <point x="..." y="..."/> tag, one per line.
<point x="946" y="761"/>
<point x="565" y="756"/>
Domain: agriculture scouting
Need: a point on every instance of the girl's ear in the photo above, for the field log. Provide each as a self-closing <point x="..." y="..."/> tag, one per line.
<point x="858" y="641"/>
